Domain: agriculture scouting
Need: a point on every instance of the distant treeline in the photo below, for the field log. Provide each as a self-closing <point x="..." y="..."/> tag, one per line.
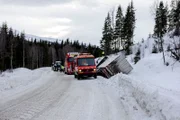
<point x="16" y="51"/>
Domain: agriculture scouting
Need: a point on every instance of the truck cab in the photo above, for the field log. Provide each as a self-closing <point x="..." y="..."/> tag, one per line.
<point x="69" y="62"/>
<point x="85" y="66"/>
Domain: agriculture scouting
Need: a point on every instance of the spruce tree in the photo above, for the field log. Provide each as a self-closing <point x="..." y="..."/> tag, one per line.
<point x="171" y="24"/>
<point x="177" y="19"/>
<point x="128" y="28"/>
<point x="161" y="20"/>
<point x="62" y="44"/>
<point x="119" y="26"/>
<point x="161" y="25"/>
<point x="107" y="36"/>
<point x="11" y="38"/>
<point x="177" y="13"/>
<point x="23" y="47"/>
<point x="3" y="46"/>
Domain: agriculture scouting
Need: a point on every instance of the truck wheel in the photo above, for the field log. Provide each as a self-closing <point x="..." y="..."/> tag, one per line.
<point x="78" y="77"/>
<point x="95" y="76"/>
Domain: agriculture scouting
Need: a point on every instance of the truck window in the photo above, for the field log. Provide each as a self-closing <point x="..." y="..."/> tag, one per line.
<point x="86" y="62"/>
<point x="71" y="59"/>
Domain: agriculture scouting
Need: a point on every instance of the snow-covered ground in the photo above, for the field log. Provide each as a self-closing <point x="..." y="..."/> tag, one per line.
<point x="43" y="94"/>
<point x="20" y="81"/>
<point x="151" y="88"/>
<point x="157" y="86"/>
<point x="64" y="98"/>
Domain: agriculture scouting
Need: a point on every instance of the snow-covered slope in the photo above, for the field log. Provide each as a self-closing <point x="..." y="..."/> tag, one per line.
<point x="157" y="86"/>
<point x="151" y="87"/>
<point x="152" y="70"/>
<point x="30" y="37"/>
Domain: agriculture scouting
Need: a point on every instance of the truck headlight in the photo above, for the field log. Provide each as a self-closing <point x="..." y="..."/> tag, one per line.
<point x="94" y="69"/>
<point x="80" y="70"/>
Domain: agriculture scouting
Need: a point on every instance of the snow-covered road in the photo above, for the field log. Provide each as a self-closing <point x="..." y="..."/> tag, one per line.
<point x="64" y="98"/>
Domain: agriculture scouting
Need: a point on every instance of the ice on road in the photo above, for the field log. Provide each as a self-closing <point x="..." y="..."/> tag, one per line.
<point x="65" y="98"/>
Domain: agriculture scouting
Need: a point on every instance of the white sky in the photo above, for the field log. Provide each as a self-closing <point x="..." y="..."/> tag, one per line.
<point x="74" y="19"/>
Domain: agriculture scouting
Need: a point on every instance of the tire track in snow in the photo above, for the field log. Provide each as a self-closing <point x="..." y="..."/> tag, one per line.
<point x="66" y="99"/>
<point x="38" y="103"/>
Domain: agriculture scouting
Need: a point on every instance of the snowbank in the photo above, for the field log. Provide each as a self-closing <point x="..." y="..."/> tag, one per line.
<point x="141" y="99"/>
<point x="158" y="88"/>
<point x="19" y="77"/>
<point x="150" y="87"/>
<point x="157" y="102"/>
<point x="20" y="80"/>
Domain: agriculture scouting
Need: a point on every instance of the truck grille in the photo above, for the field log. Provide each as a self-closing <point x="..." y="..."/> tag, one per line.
<point x="87" y="70"/>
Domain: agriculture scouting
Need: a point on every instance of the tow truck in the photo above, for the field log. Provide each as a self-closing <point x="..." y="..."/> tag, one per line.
<point x="85" y="66"/>
<point x="69" y="62"/>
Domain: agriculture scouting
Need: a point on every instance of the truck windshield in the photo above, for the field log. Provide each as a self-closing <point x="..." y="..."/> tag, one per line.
<point x="71" y="59"/>
<point x="58" y="62"/>
<point x="86" y="62"/>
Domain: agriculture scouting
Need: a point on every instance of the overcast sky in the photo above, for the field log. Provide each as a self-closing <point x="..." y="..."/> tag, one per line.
<point x="74" y="19"/>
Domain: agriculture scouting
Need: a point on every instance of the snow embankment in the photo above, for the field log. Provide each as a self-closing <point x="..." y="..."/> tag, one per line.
<point x="151" y="87"/>
<point x="20" y="80"/>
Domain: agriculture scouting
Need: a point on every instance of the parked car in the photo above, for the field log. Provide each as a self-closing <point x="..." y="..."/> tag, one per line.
<point x="57" y="66"/>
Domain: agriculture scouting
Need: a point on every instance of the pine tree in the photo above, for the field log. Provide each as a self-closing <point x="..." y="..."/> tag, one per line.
<point x="128" y="28"/>
<point x="177" y="19"/>
<point x="161" y="25"/>
<point x="3" y="45"/>
<point x="132" y="20"/>
<point x="177" y="13"/>
<point x="62" y="44"/>
<point x="161" y="20"/>
<point x="113" y="41"/>
<point x="23" y="45"/>
<point x="107" y="35"/>
<point x="11" y="37"/>
<point x="67" y="42"/>
<point x="171" y="24"/>
<point x="118" y="27"/>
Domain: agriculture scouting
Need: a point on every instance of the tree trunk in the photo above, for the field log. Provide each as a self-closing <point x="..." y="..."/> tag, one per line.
<point x="11" y="56"/>
<point x="115" y="47"/>
<point x="37" y="59"/>
<point x="23" y="55"/>
<point x="163" y="51"/>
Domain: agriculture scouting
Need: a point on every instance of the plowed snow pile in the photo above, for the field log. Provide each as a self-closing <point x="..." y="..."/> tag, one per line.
<point x="151" y="87"/>
<point x="20" y="80"/>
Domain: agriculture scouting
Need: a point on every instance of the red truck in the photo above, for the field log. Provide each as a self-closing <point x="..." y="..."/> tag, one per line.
<point x="85" y="66"/>
<point x="69" y="62"/>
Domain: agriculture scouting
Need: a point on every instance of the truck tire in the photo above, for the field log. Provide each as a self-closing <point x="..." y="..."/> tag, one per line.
<point x="95" y="76"/>
<point x="78" y="77"/>
<point x="75" y="76"/>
